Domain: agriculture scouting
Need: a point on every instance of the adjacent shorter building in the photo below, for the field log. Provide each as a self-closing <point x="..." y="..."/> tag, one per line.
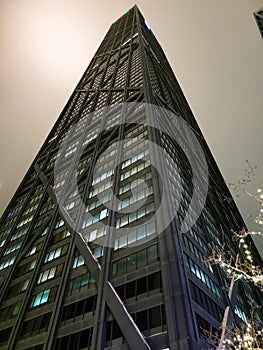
<point x="105" y="243"/>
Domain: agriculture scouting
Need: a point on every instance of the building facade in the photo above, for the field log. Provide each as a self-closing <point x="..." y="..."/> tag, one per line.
<point x="101" y="246"/>
<point x="259" y="19"/>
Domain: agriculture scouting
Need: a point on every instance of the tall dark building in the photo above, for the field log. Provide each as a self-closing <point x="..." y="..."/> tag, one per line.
<point x="259" y="19"/>
<point x="105" y="243"/>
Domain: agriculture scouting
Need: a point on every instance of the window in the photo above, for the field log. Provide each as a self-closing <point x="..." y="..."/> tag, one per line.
<point x="135" y="198"/>
<point x="78" y="261"/>
<point x="47" y="275"/>
<point x="102" y="177"/>
<point x="17" y="308"/>
<point x="32" y="251"/>
<point x="25" y="285"/>
<point x="134" y="170"/>
<point x="53" y="254"/>
<point x="35" y="325"/>
<point x="13" y="248"/>
<point x="7" y="263"/>
<point x="206" y="302"/>
<point x="141" y="212"/>
<point x="80" y="340"/>
<point x="79" y="308"/>
<point x="93" y="219"/>
<point x="135" y="261"/>
<point x="140" y="286"/>
<point x="100" y="189"/>
<point x="81" y="281"/>
<point x="59" y="223"/>
<point x="91" y="236"/>
<point x="32" y="265"/>
<point x="40" y="298"/>
<point x="18" y="234"/>
<point x="198" y="272"/>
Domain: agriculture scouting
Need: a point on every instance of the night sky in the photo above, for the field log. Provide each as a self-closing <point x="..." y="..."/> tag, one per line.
<point x="214" y="48"/>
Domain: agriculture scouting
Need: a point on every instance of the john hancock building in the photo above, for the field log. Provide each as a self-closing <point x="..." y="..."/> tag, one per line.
<point x="105" y="243"/>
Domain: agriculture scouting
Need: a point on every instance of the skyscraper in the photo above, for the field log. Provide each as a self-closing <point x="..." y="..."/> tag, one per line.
<point x="105" y="243"/>
<point x="259" y="19"/>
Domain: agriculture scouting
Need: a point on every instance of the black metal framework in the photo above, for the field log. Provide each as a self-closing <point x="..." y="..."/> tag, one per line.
<point x="259" y="19"/>
<point x="61" y="291"/>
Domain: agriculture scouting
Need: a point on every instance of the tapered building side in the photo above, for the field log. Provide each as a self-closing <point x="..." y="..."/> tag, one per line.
<point x="63" y="290"/>
<point x="259" y="19"/>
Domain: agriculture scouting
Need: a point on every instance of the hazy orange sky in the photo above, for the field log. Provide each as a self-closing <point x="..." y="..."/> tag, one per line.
<point x="214" y="47"/>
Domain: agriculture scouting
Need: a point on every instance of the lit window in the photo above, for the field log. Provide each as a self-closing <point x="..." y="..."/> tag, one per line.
<point x="32" y="265"/>
<point x="53" y="254"/>
<point x="78" y="261"/>
<point x="7" y="263"/>
<point x="16" y="308"/>
<point x="25" y="285"/>
<point x="32" y="251"/>
<point x="47" y="275"/>
<point x="13" y="248"/>
<point x="59" y="223"/>
<point x="40" y="298"/>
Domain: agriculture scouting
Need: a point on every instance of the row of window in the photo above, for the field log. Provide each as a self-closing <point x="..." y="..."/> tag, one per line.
<point x="135" y="139"/>
<point x="80" y="340"/>
<point x="139" y="144"/>
<point x="29" y="210"/>
<point x="97" y="233"/>
<point x="35" y="325"/>
<point x="207" y="303"/>
<point x="50" y="273"/>
<point x="108" y="153"/>
<point x="145" y="320"/>
<point x="7" y="263"/>
<point x="47" y="208"/>
<point x="99" y="202"/>
<point x="54" y="254"/>
<point x="129" y="186"/>
<point x="25" y="221"/>
<point x="22" y="269"/>
<point x="12" y="248"/>
<point x="79" y="308"/>
<point x="97" y="217"/>
<point x="18" y="234"/>
<point x="135" y="235"/>
<point x="5" y="334"/>
<point x="135" y="261"/>
<point x="135" y="158"/>
<point x="81" y="281"/>
<point x="43" y="297"/>
<point x="199" y="273"/>
<point x="17" y="288"/>
<point x="151" y="318"/>
<point x="241" y="314"/>
<point x="136" y="197"/>
<point x="100" y="189"/>
<point x="10" y="311"/>
<point x="197" y="252"/>
<point x="135" y="215"/>
<point x="71" y="149"/>
<point x="2" y="243"/>
<point x="136" y="169"/>
<point x="198" y="239"/>
<point x="140" y="286"/>
<point x="102" y="177"/>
